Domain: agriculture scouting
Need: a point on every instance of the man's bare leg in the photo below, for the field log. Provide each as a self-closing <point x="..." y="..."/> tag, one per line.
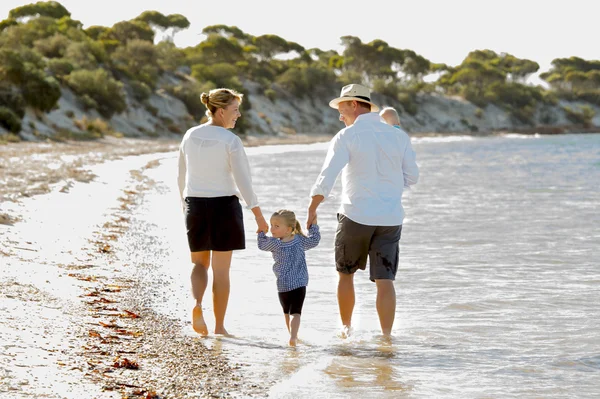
<point x="199" y="279"/>
<point x="346" y="299"/>
<point x="221" y="262"/>
<point x="386" y="305"/>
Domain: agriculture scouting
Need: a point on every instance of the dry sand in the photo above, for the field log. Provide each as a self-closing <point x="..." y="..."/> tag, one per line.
<point x="99" y="338"/>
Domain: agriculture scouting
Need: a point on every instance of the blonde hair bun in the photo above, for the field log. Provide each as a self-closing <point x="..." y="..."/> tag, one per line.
<point x="204" y="98"/>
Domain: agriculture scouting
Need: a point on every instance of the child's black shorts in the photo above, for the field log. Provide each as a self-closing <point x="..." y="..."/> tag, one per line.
<point x="292" y="301"/>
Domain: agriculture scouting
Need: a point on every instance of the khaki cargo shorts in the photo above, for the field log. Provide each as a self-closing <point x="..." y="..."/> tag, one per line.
<point x="354" y="242"/>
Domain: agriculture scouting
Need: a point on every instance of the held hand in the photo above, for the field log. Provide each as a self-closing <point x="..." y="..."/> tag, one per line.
<point x="262" y="225"/>
<point x="311" y="218"/>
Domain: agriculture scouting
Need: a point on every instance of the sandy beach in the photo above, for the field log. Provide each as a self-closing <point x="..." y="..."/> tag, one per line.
<point x="75" y="322"/>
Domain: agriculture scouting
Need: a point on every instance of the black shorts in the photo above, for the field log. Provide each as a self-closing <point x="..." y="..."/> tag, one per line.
<point x="214" y="224"/>
<point x="354" y="242"/>
<point x="292" y="301"/>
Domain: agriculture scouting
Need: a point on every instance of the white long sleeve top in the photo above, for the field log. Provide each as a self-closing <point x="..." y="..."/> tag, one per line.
<point x="213" y="163"/>
<point x="377" y="162"/>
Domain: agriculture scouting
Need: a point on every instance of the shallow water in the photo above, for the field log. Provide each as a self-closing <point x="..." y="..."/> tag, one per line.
<point x="498" y="284"/>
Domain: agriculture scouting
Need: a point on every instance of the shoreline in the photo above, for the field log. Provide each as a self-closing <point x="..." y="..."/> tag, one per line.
<point x="110" y="344"/>
<point x="118" y="347"/>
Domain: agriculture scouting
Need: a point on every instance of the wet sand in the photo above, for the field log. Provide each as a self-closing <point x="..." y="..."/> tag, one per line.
<point x="73" y="319"/>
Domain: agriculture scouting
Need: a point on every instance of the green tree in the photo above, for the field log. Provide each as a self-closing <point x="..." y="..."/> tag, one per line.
<point x="95" y="31"/>
<point x="222" y="75"/>
<point x="52" y="9"/>
<point x="129" y="30"/>
<point x="216" y="49"/>
<point x="137" y="59"/>
<point x="54" y="46"/>
<point x="7" y="23"/>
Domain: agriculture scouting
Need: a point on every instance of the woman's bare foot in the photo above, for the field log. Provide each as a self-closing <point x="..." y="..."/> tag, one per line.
<point x="293" y="341"/>
<point x="198" y="321"/>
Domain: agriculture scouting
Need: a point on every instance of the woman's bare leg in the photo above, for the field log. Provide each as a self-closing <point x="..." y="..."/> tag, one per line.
<point x="199" y="278"/>
<point x="221" y="262"/>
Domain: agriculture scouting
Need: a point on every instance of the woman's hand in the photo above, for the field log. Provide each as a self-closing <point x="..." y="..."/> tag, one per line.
<point x="260" y="220"/>
<point x="262" y="225"/>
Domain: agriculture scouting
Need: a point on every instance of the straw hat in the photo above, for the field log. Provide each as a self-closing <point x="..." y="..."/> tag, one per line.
<point x="354" y="92"/>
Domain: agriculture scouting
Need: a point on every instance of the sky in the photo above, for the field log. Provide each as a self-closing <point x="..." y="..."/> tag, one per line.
<point x="443" y="31"/>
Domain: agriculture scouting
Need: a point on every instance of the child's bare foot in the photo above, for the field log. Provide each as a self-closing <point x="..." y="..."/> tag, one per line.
<point x="346" y="332"/>
<point x="198" y="321"/>
<point x="293" y="341"/>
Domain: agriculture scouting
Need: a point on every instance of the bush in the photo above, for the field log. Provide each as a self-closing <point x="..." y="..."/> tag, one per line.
<point x="141" y="91"/>
<point x="189" y="93"/>
<point x="518" y="99"/>
<point x="292" y="81"/>
<point x="96" y="128"/>
<point x="408" y="103"/>
<point x="389" y="89"/>
<point x="590" y="96"/>
<point x="549" y="97"/>
<point x="583" y="116"/>
<point x="222" y="75"/>
<point x="60" y="67"/>
<point x="52" y="47"/>
<point x="12" y="99"/>
<point x="137" y="60"/>
<point x="305" y="80"/>
<point x="9" y="120"/>
<point x="271" y="94"/>
<point x="99" y="86"/>
<point x="80" y="55"/>
<point x="40" y="91"/>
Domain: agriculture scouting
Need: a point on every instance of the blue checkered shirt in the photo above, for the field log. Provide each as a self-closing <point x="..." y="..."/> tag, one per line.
<point x="290" y="262"/>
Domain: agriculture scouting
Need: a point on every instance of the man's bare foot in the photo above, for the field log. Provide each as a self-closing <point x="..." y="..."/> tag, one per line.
<point x="221" y="331"/>
<point x="346" y="332"/>
<point x="198" y="321"/>
<point x="293" y="341"/>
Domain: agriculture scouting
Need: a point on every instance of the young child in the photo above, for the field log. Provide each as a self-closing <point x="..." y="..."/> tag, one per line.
<point x="288" y="245"/>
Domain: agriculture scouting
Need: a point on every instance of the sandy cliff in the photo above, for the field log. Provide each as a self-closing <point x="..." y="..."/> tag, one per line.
<point x="164" y="115"/>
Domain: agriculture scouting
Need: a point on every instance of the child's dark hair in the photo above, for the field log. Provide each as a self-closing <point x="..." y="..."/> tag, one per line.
<point x="290" y="220"/>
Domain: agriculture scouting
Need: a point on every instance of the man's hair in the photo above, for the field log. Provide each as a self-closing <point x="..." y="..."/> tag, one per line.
<point x="364" y="105"/>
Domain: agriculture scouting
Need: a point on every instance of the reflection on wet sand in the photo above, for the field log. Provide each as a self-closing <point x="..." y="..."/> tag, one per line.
<point x="359" y="367"/>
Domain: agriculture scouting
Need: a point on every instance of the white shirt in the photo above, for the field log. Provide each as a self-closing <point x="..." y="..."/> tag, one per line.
<point x="213" y="163"/>
<point x="377" y="161"/>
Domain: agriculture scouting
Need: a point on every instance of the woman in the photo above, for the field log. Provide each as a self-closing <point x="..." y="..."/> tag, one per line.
<point x="213" y="172"/>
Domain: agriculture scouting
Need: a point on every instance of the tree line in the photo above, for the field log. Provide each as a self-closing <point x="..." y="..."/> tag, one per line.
<point x="43" y="49"/>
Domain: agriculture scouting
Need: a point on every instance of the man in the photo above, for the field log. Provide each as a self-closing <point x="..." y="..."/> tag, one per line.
<point x="377" y="163"/>
<point x="390" y="116"/>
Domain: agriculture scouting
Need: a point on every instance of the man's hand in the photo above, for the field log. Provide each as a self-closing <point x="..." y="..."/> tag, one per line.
<point x="312" y="218"/>
<point x="312" y="210"/>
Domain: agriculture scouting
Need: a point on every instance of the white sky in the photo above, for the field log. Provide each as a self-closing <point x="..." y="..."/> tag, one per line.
<point x="440" y="30"/>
